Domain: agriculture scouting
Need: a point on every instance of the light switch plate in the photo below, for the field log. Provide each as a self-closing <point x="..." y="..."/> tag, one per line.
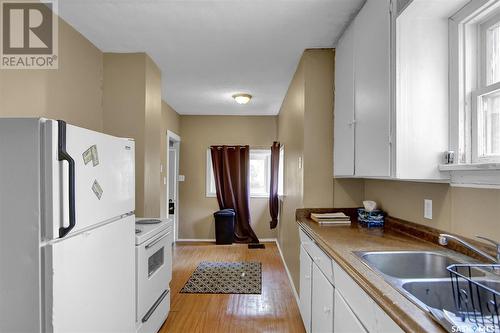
<point x="428" y="209"/>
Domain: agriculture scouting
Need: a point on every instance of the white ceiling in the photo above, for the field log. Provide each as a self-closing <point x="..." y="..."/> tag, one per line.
<point x="208" y="50"/>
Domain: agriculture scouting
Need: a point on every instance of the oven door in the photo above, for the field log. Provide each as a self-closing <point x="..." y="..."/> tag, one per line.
<point x="153" y="261"/>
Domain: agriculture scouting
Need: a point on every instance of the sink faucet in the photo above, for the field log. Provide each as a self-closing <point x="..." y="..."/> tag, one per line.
<point x="443" y="240"/>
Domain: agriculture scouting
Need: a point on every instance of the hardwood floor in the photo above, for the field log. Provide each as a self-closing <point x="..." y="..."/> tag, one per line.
<point x="275" y="310"/>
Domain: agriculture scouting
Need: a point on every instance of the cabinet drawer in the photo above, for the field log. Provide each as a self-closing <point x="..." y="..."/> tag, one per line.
<point x="319" y="257"/>
<point x="322" y="260"/>
<point x="359" y="301"/>
<point x="304" y="239"/>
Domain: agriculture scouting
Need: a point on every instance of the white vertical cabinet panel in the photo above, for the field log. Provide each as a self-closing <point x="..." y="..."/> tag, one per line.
<point x="322" y="305"/>
<point x="305" y="288"/>
<point x="344" y="127"/>
<point x="422" y="79"/>
<point x="384" y="323"/>
<point x="359" y="301"/>
<point x="345" y="321"/>
<point x="372" y="89"/>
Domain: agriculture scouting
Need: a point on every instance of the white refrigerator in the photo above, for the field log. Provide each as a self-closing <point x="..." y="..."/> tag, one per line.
<point x="67" y="200"/>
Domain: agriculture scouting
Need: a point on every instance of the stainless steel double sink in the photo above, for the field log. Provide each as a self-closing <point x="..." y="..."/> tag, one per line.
<point x="420" y="275"/>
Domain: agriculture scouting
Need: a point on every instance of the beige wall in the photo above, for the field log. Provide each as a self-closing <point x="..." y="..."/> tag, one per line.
<point x="305" y="129"/>
<point x="132" y="108"/>
<point x="198" y="133"/>
<point x="318" y="124"/>
<point x="170" y="121"/>
<point x="291" y="135"/>
<point x="153" y="183"/>
<point x="464" y="211"/>
<point x="72" y="93"/>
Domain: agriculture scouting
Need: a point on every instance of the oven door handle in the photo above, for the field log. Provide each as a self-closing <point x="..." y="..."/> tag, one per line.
<point x="153" y="308"/>
<point x="153" y="243"/>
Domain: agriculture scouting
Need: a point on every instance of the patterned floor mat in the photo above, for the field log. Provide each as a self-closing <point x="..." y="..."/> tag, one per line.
<point x="225" y="278"/>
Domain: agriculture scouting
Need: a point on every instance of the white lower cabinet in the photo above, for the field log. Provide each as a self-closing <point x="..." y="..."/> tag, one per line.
<point x="305" y="288"/>
<point x="345" y="321"/>
<point x="322" y="302"/>
<point x="331" y="301"/>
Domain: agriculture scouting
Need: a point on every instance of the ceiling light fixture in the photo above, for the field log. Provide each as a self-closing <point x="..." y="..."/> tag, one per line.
<point x="242" y="98"/>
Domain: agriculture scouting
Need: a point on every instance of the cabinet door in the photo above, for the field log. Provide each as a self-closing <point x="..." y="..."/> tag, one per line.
<point x="372" y="96"/>
<point x="322" y="303"/>
<point x="343" y="133"/>
<point x="305" y="288"/>
<point x="344" y="319"/>
<point x="384" y="323"/>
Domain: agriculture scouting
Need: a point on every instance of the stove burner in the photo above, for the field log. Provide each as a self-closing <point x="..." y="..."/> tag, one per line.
<point x="138" y="231"/>
<point x="149" y="221"/>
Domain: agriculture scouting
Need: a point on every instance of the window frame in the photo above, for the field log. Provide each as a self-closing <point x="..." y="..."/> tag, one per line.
<point x="468" y="79"/>
<point x="210" y="190"/>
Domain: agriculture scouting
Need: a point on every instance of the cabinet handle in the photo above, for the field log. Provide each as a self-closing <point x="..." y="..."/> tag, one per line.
<point x="326" y="309"/>
<point x="352" y="123"/>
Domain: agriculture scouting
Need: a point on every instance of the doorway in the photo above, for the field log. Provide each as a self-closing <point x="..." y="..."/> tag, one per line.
<point x="173" y="151"/>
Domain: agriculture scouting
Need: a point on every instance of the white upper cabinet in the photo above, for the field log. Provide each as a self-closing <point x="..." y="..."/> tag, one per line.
<point x="343" y="132"/>
<point x="372" y="97"/>
<point x="392" y="91"/>
<point x="362" y="95"/>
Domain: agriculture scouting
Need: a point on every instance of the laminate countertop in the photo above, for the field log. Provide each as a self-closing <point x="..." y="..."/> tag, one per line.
<point x="339" y="242"/>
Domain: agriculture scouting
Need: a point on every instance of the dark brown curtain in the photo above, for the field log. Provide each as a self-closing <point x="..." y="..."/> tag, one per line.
<point x="231" y="165"/>
<point x="273" y="191"/>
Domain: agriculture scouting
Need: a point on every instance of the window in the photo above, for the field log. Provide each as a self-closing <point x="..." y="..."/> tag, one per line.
<point x="259" y="173"/>
<point x="475" y="83"/>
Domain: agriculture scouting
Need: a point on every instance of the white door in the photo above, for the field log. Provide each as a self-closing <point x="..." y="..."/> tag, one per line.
<point x="305" y="288"/>
<point x="93" y="280"/>
<point x="372" y="89"/>
<point x="322" y="303"/>
<point x="344" y="126"/>
<point x="104" y="178"/>
<point x="344" y="319"/>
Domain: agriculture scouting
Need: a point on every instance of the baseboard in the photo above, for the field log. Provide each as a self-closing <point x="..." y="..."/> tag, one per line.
<point x="289" y="275"/>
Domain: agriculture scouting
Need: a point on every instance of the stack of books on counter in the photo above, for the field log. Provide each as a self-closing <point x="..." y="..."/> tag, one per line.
<point x="331" y="218"/>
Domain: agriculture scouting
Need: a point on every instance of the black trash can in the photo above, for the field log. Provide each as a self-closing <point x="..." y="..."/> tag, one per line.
<point x="224" y="226"/>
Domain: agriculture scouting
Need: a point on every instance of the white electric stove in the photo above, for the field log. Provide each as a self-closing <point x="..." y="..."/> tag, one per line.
<point x="153" y="254"/>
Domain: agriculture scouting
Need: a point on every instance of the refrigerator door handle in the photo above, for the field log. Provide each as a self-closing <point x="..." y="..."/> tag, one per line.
<point x="64" y="156"/>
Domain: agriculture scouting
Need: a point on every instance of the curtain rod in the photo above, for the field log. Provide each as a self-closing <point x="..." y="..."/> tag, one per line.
<point x="251" y="147"/>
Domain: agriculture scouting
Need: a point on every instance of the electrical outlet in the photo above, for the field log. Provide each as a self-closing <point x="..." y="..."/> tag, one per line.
<point x="428" y="209"/>
<point x="181" y="178"/>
